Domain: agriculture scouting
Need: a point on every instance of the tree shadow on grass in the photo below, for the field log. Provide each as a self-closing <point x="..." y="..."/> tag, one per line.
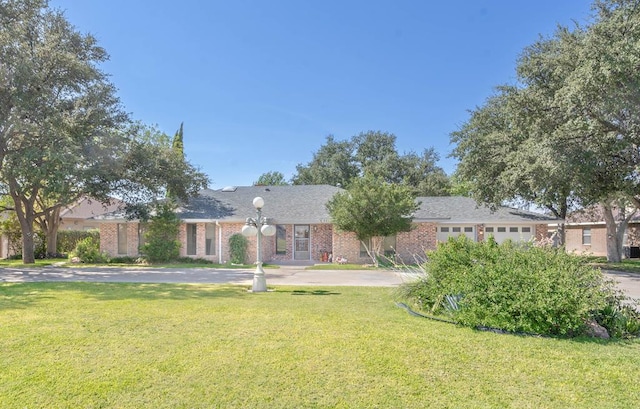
<point x="21" y="295"/>
<point x="313" y="292"/>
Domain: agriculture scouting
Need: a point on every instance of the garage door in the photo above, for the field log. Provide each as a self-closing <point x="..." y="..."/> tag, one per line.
<point x="515" y="233"/>
<point x="444" y="232"/>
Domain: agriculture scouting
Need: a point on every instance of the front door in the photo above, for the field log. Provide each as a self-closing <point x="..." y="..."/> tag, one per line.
<point x="301" y="244"/>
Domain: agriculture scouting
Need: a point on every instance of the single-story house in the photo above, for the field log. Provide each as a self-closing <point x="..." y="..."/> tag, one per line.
<point x="81" y="214"/>
<point x="586" y="232"/>
<point x="304" y="231"/>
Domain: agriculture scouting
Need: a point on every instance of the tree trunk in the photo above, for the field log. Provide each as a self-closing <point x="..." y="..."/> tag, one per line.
<point x="24" y="207"/>
<point x="50" y="225"/>
<point x="26" y="225"/>
<point x="615" y="232"/>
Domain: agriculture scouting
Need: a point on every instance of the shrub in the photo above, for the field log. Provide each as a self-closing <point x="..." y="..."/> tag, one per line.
<point x="238" y="248"/>
<point x="512" y="287"/>
<point x="88" y="251"/>
<point x="161" y="236"/>
<point x="192" y="260"/>
<point x="67" y="239"/>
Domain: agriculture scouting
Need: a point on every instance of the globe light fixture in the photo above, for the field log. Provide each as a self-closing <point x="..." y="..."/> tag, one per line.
<point x="258" y="226"/>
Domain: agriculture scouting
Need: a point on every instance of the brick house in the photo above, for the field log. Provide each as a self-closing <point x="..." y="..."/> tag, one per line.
<point x="586" y="232"/>
<point x="304" y="232"/>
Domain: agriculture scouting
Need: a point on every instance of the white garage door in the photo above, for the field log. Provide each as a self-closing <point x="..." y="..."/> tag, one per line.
<point x="444" y="232"/>
<point x="515" y="233"/>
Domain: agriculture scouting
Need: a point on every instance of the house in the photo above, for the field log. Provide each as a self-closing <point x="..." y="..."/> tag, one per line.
<point x="81" y="214"/>
<point x="586" y="232"/>
<point x="304" y="232"/>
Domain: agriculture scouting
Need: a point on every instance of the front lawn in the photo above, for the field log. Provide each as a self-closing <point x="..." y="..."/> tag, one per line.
<point x="93" y="345"/>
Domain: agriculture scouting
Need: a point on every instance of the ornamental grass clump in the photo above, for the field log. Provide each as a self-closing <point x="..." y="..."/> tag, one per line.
<point x="513" y="287"/>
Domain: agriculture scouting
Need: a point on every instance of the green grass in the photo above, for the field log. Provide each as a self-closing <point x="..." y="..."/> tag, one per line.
<point x="334" y="266"/>
<point x="628" y="265"/>
<point x="99" y="345"/>
<point x="39" y="262"/>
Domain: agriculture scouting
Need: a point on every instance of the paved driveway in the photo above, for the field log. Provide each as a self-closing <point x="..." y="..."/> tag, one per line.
<point x="286" y="275"/>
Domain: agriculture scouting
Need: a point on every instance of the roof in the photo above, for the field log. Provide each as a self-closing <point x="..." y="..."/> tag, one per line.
<point x="294" y="204"/>
<point x="87" y="207"/>
<point x="459" y="209"/>
<point x="306" y="204"/>
<point x="595" y="215"/>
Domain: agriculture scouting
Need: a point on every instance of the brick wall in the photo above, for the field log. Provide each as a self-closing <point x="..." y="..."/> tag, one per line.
<point x="412" y="245"/>
<point x="598" y="246"/>
<point x="109" y="238"/>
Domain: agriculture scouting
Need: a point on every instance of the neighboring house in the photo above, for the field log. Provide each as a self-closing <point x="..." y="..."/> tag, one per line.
<point x="81" y="214"/>
<point x="77" y="216"/>
<point x="304" y="231"/>
<point x="586" y="232"/>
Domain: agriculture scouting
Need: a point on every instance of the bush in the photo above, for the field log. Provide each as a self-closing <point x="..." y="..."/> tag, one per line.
<point x="191" y="260"/>
<point x="238" y="248"/>
<point x="67" y="239"/>
<point x="88" y="251"/>
<point x="512" y="287"/>
<point x="161" y="236"/>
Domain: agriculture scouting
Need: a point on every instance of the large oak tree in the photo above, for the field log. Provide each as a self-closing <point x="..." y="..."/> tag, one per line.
<point x="63" y="131"/>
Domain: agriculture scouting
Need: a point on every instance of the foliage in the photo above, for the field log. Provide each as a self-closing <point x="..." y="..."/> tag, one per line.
<point x="161" y="235"/>
<point x="273" y="178"/>
<point x="373" y="208"/>
<point x="88" y="251"/>
<point x="374" y="154"/>
<point x="131" y="345"/>
<point x="565" y="135"/>
<point x="63" y="130"/>
<point x="238" y="248"/>
<point x="512" y="287"/>
<point x="67" y="239"/>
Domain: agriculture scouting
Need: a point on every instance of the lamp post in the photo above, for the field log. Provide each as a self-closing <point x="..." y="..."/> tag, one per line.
<point x="258" y="226"/>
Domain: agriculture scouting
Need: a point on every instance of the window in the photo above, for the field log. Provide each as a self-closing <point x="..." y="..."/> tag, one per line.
<point x="444" y="230"/>
<point x="122" y="238"/>
<point x="455" y="229"/>
<point x="468" y="229"/>
<point x="526" y="229"/>
<point x="513" y="229"/>
<point x="281" y="239"/>
<point x="210" y="239"/>
<point x="388" y="247"/>
<point x="191" y="239"/>
<point x="502" y="229"/>
<point x="586" y="236"/>
<point x="488" y="230"/>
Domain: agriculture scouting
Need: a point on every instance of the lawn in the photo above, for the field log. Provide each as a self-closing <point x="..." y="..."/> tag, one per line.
<point x="99" y="345"/>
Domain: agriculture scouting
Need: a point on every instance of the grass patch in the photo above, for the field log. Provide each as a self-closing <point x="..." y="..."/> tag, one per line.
<point x="333" y="266"/>
<point x="96" y="345"/>
<point x="627" y="265"/>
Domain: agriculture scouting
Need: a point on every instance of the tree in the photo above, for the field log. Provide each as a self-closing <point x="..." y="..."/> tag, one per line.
<point x="273" y="178"/>
<point x="63" y="132"/>
<point x="568" y="134"/>
<point x="373" y="209"/>
<point x="333" y="164"/>
<point x="373" y="153"/>
<point x="161" y="236"/>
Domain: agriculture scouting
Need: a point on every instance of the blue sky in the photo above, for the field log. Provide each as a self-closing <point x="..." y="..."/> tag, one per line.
<point x="260" y="84"/>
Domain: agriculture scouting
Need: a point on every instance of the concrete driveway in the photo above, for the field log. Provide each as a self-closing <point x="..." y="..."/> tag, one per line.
<point x="285" y="275"/>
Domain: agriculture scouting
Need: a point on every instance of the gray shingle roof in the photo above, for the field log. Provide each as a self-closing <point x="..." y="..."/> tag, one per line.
<point x="297" y="204"/>
<point x="306" y="204"/>
<point x="458" y="209"/>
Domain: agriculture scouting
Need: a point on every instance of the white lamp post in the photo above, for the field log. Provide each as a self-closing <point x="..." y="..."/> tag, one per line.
<point x="258" y="226"/>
